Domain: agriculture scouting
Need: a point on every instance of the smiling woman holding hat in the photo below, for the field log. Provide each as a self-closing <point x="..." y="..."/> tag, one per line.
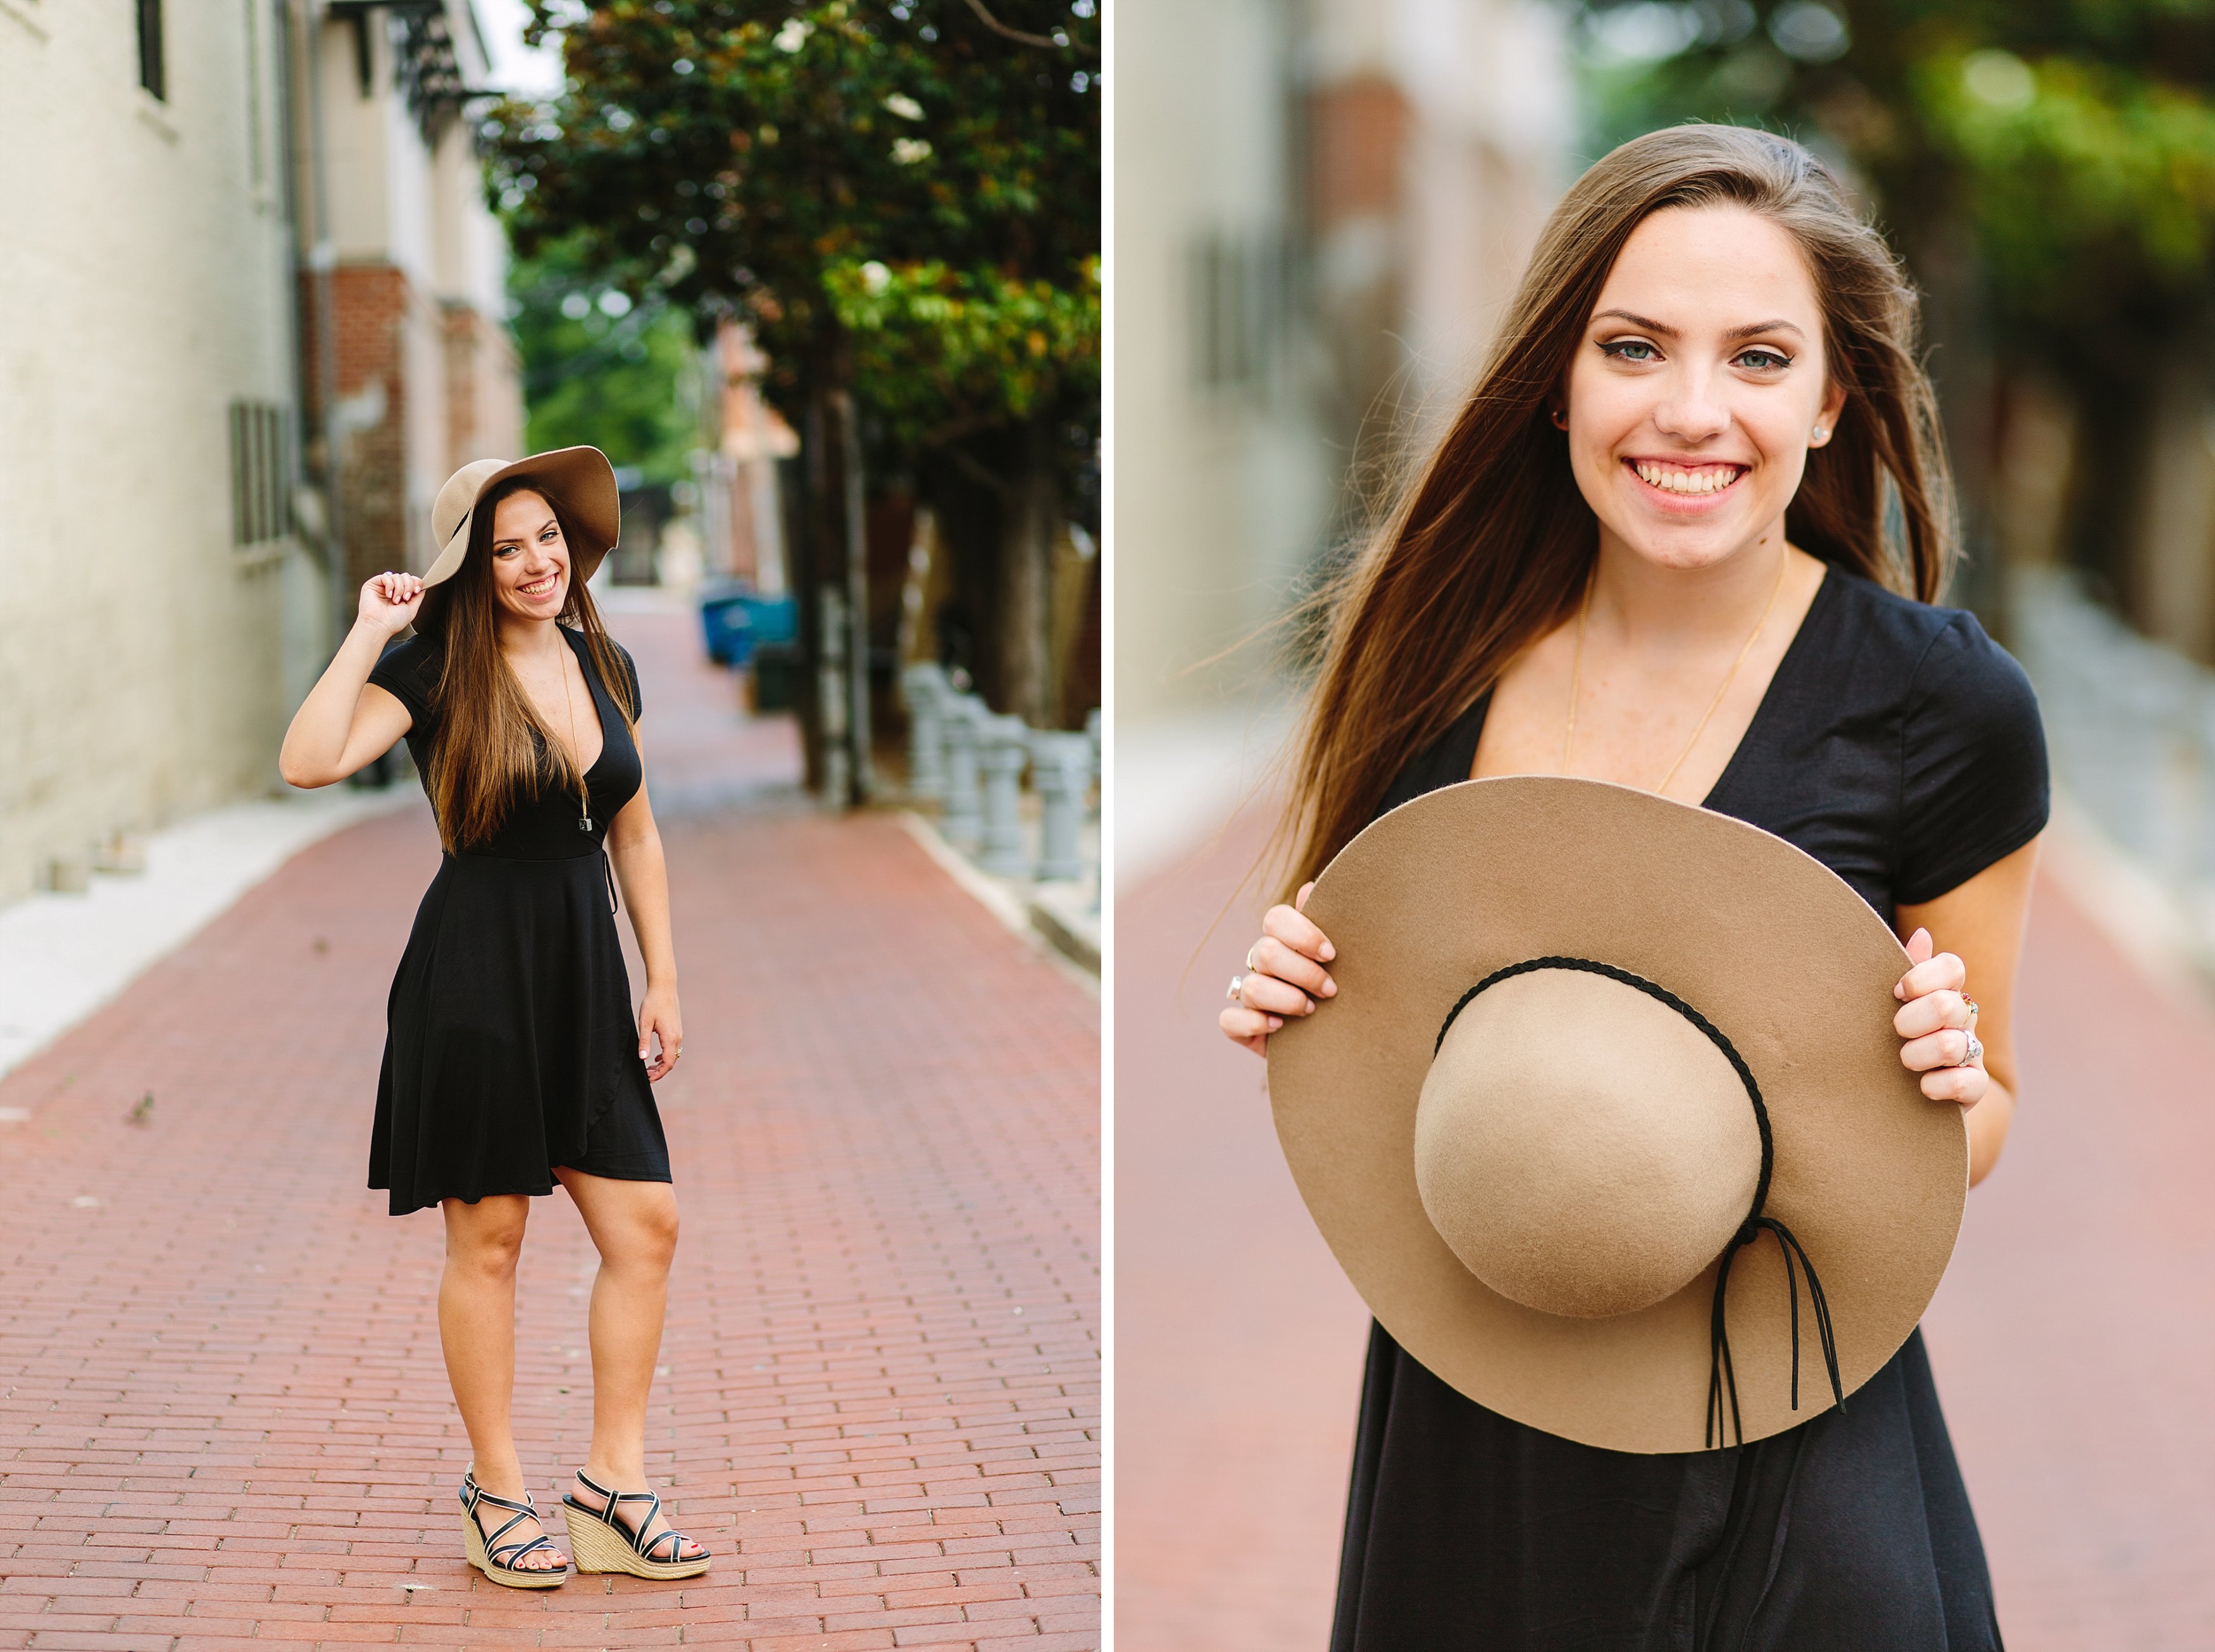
<point x="1639" y="738"/>
<point x="512" y="1058"/>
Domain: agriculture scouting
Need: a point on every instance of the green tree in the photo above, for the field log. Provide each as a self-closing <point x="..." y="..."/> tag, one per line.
<point x="601" y="369"/>
<point x="2048" y="166"/>
<point x="901" y="197"/>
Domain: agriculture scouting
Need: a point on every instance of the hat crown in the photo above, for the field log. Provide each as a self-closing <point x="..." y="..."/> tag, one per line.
<point x="1582" y="1147"/>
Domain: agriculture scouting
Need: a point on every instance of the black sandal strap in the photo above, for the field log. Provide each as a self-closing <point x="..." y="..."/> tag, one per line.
<point x="640" y="1544"/>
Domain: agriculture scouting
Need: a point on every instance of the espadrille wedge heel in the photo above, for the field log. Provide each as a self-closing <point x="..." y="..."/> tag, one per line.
<point x="603" y="1542"/>
<point x="495" y="1559"/>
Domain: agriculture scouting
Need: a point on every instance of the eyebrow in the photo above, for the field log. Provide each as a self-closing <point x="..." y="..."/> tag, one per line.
<point x="518" y="538"/>
<point x="1646" y="323"/>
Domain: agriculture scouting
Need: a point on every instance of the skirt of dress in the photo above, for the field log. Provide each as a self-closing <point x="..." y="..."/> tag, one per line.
<point x="1849" y="1534"/>
<point x="510" y="1044"/>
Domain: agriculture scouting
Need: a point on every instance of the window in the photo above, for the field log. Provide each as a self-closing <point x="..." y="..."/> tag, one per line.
<point x="1238" y="288"/>
<point x="261" y="472"/>
<point x="151" y="73"/>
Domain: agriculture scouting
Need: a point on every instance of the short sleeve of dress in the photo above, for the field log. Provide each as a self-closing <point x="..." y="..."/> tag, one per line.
<point x="404" y="670"/>
<point x="1973" y="784"/>
<point x="630" y="678"/>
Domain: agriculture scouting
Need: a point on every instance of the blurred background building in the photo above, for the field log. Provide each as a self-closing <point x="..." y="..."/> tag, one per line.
<point x="193" y="189"/>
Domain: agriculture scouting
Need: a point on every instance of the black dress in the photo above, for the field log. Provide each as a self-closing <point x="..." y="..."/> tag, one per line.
<point x="510" y="1043"/>
<point x="1899" y="746"/>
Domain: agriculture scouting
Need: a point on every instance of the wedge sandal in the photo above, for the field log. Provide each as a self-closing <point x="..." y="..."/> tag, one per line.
<point x="602" y="1542"/>
<point x="495" y="1559"/>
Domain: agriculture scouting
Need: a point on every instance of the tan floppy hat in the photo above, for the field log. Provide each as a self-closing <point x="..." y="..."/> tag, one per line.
<point x="1592" y="1052"/>
<point x="580" y="480"/>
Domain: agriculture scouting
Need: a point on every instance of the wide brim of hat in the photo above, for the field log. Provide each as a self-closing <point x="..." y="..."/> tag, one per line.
<point x="579" y="481"/>
<point x="1763" y="940"/>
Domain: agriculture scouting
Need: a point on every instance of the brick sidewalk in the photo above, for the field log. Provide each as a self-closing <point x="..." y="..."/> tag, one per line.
<point x="226" y="1420"/>
<point x="2071" y="1338"/>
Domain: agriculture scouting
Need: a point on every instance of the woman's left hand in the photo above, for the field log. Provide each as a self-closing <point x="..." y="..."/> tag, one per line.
<point x="1937" y="1019"/>
<point x="659" y="1014"/>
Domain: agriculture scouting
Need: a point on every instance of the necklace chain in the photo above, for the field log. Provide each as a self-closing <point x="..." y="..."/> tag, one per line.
<point x="1577" y="673"/>
<point x="576" y="752"/>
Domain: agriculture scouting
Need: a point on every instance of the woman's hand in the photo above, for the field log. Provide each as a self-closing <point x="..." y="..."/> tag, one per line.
<point x="388" y="603"/>
<point x="658" y="1014"/>
<point x="1937" y="1019"/>
<point x="1285" y="976"/>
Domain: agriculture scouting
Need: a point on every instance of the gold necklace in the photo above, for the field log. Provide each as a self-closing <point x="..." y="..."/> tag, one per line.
<point x="576" y="752"/>
<point x="1577" y="674"/>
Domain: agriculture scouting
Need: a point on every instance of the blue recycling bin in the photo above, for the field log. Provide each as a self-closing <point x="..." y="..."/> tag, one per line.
<point x="726" y="624"/>
<point x="771" y="619"/>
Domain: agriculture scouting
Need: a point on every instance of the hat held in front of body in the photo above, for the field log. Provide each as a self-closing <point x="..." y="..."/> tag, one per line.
<point x="1607" y="1122"/>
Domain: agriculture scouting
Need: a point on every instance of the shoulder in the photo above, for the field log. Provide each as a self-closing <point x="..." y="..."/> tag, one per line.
<point x="1936" y="655"/>
<point x="409" y="670"/>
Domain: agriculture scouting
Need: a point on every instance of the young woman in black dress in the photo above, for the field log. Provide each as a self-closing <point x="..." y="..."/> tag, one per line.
<point x="512" y="1059"/>
<point x="1686" y="535"/>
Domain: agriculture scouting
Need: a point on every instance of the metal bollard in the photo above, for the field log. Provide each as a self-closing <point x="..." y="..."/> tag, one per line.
<point x="1003" y="751"/>
<point x="923" y="686"/>
<point x="963" y="822"/>
<point x="1061" y="771"/>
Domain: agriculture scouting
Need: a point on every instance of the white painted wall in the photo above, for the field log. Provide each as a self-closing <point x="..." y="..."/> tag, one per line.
<point x="143" y="285"/>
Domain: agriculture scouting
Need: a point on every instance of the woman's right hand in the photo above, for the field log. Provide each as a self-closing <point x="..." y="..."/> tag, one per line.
<point x="388" y="603"/>
<point x="1285" y="976"/>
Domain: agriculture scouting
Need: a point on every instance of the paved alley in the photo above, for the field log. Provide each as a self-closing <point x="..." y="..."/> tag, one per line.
<point x="224" y="1416"/>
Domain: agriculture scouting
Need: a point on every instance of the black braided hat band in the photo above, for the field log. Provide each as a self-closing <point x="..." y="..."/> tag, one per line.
<point x="1723" y="1377"/>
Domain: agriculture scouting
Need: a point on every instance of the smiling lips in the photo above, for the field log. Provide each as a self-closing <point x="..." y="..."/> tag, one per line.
<point x="1686" y="479"/>
<point x="538" y="588"/>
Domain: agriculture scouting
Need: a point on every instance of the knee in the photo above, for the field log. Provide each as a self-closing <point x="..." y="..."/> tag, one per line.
<point x="650" y="1238"/>
<point x="489" y="1246"/>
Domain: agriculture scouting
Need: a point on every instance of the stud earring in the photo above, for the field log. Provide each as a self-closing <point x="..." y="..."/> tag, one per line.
<point x="1822" y="433"/>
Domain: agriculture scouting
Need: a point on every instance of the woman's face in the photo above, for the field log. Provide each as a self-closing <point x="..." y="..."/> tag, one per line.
<point x="530" y="558"/>
<point x="1699" y="386"/>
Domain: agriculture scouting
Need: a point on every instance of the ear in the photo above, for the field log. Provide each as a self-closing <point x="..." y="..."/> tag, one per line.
<point x="1826" y="420"/>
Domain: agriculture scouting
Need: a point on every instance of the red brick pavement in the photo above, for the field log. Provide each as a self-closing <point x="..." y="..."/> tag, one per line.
<point x="224" y="1419"/>
<point x="2072" y="1338"/>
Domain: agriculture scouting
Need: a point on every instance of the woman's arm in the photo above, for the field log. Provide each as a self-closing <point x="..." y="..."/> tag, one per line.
<point x="635" y="846"/>
<point x="1980" y="924"/>
<point x="345" y="720"/>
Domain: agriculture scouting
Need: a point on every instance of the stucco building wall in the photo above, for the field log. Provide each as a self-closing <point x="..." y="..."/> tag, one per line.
<point x="144" y="287"/>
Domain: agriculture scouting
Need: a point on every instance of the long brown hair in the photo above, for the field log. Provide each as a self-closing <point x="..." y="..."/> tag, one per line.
<point x="491" y="743"/>
<point x="1491" y="544"/>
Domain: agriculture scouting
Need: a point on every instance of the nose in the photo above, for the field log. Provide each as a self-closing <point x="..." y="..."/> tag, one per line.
<point x="1691" y="412"/>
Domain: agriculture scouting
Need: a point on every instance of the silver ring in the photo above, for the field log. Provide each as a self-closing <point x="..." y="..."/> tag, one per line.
<point x="1974" y="1054"/>
<point x="1237" y="992"/>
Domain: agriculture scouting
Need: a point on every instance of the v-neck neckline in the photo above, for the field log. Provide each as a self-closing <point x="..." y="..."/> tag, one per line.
<point x="1480" y="711"/>
<point x="591" y="693"/>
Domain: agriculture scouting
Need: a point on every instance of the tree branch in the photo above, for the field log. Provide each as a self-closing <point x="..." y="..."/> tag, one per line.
<point x="999" y="27"/>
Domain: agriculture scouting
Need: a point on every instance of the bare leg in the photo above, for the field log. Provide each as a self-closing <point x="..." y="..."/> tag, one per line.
<point x="633" y="1226"/>
<point x="476" y="1328"/>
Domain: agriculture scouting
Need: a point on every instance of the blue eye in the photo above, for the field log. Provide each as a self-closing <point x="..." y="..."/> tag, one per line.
<point x="1621" y="349"/>
<point x="1764" y="360"/>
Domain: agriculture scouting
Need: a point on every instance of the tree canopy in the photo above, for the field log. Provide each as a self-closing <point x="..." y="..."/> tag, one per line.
<point x="904" y="195"/>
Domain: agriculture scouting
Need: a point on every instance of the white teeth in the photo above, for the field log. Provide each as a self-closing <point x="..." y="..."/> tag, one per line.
<point x="1670" y="479"/>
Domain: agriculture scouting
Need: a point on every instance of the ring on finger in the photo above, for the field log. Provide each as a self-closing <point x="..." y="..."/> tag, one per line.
<point x="1237" y="992"/>
<point x="1974" y="1054"/>
<point x="1970" y="1005"/>
<point x="1250" y="951"/>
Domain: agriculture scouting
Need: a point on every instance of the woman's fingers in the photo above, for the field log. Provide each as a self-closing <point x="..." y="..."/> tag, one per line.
<point x="1272" y="957"/>
<point x="1929" y="971"/>
<point x="1293" y="927"/>
<point x="1251" y="1027"/>
<point x="1945" y="1008"/>
<point x="1273" y="996"/>
<point x="1964" y="1086"/>
<point x="1948" y="1047"/>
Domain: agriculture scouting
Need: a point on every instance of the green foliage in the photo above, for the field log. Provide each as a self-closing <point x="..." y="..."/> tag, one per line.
<point x="605" y="371"/>
<point x="927" y="339"/>
<point x="2076" y="171"/>
<point x="751" y="156"/>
